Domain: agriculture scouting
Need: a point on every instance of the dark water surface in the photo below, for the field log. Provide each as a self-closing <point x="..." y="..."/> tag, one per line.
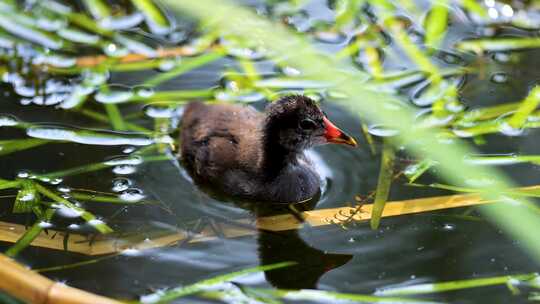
<point x="405" y="250"/>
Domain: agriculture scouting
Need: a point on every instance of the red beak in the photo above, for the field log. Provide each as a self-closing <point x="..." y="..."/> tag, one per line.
<point x="334" y="135"/>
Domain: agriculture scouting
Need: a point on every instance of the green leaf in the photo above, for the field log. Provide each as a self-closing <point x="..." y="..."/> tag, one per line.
<point x="16" y="145"/>
<point x="30" y="235"/>
<point x="436" y="24"/>
<point x="386" y="175"/>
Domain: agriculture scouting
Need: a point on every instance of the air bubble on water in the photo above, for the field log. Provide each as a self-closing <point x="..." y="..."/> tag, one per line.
<point x="66" y="211"/>
<point x="333" y="37"/>
<point x="499" y="78"/>
<point x="152" y="298"/>
<point x="63" y="189"/>
<point x="290" y="71"/>
<point x="114" y="50"/>
<point x="450" y="58"/>
<point x="123" y="22"/>
<point x="454" y="106"/>
<point x="8" y="121"/>
<point x="124" y="169"/>
<point x="501" y="57"/>
<point x="96" y="222"/>
<point x="462" y="133"/>
<point x="45" y="225"/>
<point x="143" y="91"/>
<point x="23" y="174"/>
<point x="27" y="197"/>
<point x="506" y="129"/>
<point x="128" y="150"/>
<point x="449" y="227"/>
<point x="132" y="195"/>
<point x="382" y="130"/>
<point x="114" y="95"/>
<point x="168" y="64"/>
<point x="493" y="13"/>
<point x="56" y="181"/>
<point x="74" y="226"/>
<point x="131" y="252"/>
<point x="160" y="111"/>
<point x="92" y="78"/>
<point x="121" y="184"/>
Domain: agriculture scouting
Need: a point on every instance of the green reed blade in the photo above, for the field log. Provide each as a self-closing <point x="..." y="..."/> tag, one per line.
<point x="97" y="8"/>
<point x="16" y="145"/>
<point x="115" y="117"/>
<point x="7" y="184"/>
<point x="436" y="24"/>
<point x="30" y="235"/>
<point x="346" y="12"/>
<point x="386" y="175"/>
<point x="175" y="293"/>
<point x="87" y="216"/>
<point x="76" y="265"/>
<point x="157" y="22"/>
<point x="174" y="97"/>
<point x="369" y="139"/>
<point x="185" y="66"/>
<point x="498" y="44"/>
<point x="504" y="159"/>
<point x="527" y="106"/>
<point x="459" y="285"/>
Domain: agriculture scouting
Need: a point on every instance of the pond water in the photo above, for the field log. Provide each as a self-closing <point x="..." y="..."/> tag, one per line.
<point x="141" y="191"/>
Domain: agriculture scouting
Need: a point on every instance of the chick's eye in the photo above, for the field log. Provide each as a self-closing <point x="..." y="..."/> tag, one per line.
<point x="307" y="124"/>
